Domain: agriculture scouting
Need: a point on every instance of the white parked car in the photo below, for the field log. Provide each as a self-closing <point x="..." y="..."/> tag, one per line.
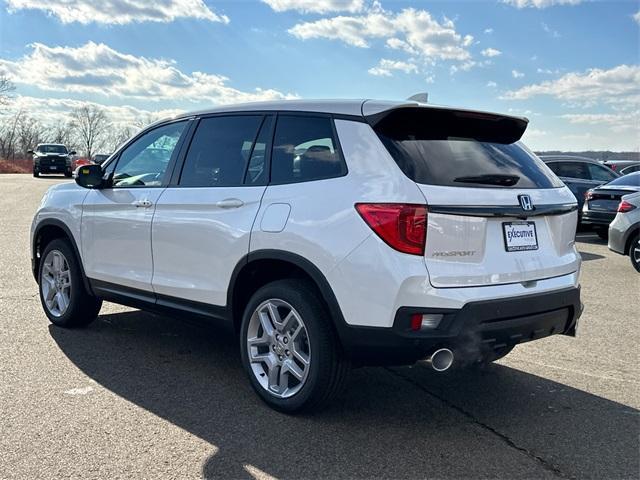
<point x="328" y="234"/>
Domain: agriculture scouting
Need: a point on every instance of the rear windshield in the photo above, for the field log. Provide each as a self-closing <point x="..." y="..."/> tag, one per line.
<point x="630" y="180"/>
<point x="451" y="153"/>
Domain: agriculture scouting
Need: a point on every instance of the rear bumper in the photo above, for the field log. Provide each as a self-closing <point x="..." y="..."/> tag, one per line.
<point x="590" y="217"/>
<point x="476" y="327"/>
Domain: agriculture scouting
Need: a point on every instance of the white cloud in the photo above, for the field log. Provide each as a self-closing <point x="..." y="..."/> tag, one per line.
<point x="413" y="31"/>
<point x="618" y="85"/>
<point x="55" y="111"/>
<point x="516" y="74"/>
<point x="316" y="6"/>
<point x="100" y="70"/>
<point x="488" y="31"/>
<point x="617" y="122"/>
<point x="540" y="3"/>
<point x="550" y="31"/>
<point x="385" y="67"/>
<point x="492" y="84"/>
<point x="636" y="17"/>
<point x="490" y="52"/>
<point x="548" y="71"/>
<point x="120" y="11"/>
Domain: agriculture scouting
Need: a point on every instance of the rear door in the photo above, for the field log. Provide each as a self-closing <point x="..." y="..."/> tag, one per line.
<point x="203" y="221"/>
<point x="496" y="213"/>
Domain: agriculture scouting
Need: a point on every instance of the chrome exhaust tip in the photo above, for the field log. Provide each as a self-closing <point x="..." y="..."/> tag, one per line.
<point x="441" y="359"/>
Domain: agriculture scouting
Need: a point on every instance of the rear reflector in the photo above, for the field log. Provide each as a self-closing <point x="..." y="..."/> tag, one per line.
<point x="625" y="207"/>
<point x="402" y="226"/>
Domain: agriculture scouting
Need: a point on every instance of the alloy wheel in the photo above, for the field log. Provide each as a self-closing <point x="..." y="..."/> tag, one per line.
<point x="55" y="282"/>
<point x="278" y="348"/>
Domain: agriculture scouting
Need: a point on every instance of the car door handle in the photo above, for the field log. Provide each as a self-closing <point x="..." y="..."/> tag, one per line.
<point x="230" y="203"/>
<point x="142" y="203"/>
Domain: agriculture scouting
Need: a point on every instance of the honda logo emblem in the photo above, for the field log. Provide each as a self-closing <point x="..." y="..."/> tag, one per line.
<point x="525" y="202"/>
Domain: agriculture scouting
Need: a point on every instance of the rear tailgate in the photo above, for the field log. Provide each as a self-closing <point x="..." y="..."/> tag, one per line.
<point x="468" y="245"/>
<point x="605" y="200"/>
<point x="496" y="212"/>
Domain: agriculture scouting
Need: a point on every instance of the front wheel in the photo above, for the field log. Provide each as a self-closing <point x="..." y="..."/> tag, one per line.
<point x="634" y="252"/>
<point x="62" y="292"/>
<point x="289" y="348"/>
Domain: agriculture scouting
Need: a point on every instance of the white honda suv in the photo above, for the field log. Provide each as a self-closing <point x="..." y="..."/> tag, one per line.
<point x="327" y="234"/>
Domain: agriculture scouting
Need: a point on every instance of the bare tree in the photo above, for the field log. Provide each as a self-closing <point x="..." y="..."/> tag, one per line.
<point x="6" y="87"/>
<point x="91" y="126"/>
<point x="9" y="134"/>
<point x="118" y="137"/>
<point x="29" y="132"/>
<point x="62" y="133"/>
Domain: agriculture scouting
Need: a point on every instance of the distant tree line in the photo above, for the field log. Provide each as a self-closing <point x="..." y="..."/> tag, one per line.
<point x="88" y="129"/>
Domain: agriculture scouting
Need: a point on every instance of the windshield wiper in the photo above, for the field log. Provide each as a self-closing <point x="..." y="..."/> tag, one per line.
<point x="490" y="179"/>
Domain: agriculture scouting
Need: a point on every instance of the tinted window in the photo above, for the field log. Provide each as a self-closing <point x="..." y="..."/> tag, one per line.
<point x="144" y="163"/>
<point x="220" y="151"/>
<point x="600" y="173"/>
<point x="630" y="180"/>
<point x="60" y="149"/>
<point x="571" y="170"/>
<point x="305" y="149"/>
<point x="464" y="162"/>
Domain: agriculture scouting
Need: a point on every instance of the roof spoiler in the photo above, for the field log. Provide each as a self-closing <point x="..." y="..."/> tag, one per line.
<point x="412" y="121"/>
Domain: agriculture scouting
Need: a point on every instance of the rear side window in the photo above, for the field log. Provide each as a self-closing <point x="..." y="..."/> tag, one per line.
<point x="220" y="151"/>
<point x="571" y="170"/>
<point x="462" y="150"/>
<point x="305" y="149"/>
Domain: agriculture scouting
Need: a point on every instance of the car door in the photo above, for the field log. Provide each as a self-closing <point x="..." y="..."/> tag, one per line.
<point x="202" y="224"/>
<point x="116" y="221"/>
<point x="575" y="175"/>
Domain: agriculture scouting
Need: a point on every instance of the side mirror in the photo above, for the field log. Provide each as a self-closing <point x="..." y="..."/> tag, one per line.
<point x="72" y="152"/>
<point x="30" y="152"/>
<point x="89" y="176"/>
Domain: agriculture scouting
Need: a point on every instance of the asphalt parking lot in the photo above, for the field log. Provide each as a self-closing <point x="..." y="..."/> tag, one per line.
<point x="141" y="396"/>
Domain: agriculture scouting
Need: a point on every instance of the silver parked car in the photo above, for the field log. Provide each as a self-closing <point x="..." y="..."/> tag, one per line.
<point x="624" y="231"/>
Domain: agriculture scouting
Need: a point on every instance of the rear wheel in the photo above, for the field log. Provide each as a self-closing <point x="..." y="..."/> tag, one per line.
<point x="68" y="174"/>
<point x="289" y="348"/>
<point x="62" y="292"/>
<point x="634" y="252"/>
<point x="36" y="172"/>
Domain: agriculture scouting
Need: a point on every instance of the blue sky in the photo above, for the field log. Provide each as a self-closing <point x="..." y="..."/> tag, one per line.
<point x="571" y="66"/>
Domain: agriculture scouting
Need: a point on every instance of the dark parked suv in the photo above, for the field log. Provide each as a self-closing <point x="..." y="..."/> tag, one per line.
<point x="51" y="158"/>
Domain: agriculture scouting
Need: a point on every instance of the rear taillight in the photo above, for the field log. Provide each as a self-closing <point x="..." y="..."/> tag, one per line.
<point x="588" y="195"/>
<point x="402" y="226"/>
<point x="625" y="207"/>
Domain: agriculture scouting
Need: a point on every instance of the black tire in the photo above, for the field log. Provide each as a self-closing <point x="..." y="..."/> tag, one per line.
<point x="36" y="173"/>
<point x="633" y="254"/>
<point x="68" y="174"/>
<point x="328" y="368"/>
<point x="83" y="308"/>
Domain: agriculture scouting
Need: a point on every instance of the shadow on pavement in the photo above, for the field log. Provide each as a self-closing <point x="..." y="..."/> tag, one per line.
<point x="401" y="423"/>
<point x="586" y="256"/>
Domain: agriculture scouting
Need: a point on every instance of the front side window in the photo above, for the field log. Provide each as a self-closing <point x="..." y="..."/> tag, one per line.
<point x="220" y="151"/>
<point x="600" y="173"/>
<point x="305" y="149"/>
<point x="144" y="163"/>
